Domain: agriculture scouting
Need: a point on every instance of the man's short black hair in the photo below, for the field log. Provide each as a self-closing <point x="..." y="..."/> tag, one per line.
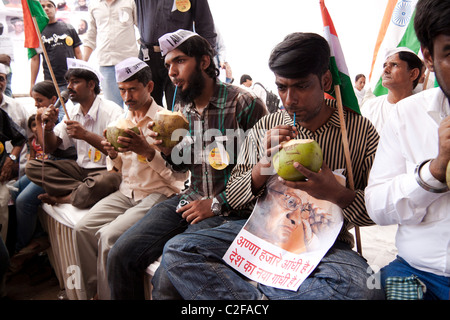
<point x="432" y="19"/>
<point x="197" y="47"/>
<point x="299" y="55"/>
<point x="244" y="78"/>
<point x="84" y="74"/>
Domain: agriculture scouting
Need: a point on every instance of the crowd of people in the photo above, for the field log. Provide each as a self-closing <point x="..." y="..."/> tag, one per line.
<point x="186" y="203"/>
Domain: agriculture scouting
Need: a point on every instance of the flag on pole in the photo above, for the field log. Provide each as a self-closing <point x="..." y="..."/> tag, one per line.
<point x="338" y="67"/>
<point x="33" y="8"/>
<point x="397" y="30"/>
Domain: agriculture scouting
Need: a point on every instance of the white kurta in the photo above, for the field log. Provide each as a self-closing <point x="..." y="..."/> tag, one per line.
<point x="393" y="196"/>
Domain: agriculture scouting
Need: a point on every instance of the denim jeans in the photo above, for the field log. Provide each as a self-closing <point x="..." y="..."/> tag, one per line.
<point x="109" y="85"/>
<point x="143" y="243"/>
<point x="438" y="287"/>
<point x="193" y="263"/>
<point x="27" y="203"/>
<point x="8" y="90"/>
<point x="61" y="112"/>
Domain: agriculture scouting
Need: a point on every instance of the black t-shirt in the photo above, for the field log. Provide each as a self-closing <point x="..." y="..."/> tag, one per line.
<point x="59" y="39"/>
<point x="9" y="131"/>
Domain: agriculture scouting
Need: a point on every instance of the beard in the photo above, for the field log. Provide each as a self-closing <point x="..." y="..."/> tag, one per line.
<point x="195" y="89"/>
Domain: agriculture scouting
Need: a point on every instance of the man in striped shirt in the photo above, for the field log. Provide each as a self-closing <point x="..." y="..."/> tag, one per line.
<point x="219" y="114"/>
<point x="192" y="262"/>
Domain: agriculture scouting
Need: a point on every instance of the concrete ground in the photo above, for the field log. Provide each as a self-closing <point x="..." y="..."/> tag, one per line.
<point x="36" y="281"/>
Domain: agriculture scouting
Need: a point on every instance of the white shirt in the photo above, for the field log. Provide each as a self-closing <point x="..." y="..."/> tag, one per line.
<point x="141" y="177"/>
<point x="111" y="31"/>
<point x="393" y="196"/>
<point x="360" y="94"/>
<point x="101" y="113"/>
<point x="260" y="91"/>
<point x="377" y="111"/>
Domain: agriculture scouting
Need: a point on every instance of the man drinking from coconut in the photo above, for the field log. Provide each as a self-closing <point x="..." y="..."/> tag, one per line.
<point x="146" y="180"/>
<point x="217" y="112"/>
<point x="193" y="265"/>
<point x="85" y="181"/>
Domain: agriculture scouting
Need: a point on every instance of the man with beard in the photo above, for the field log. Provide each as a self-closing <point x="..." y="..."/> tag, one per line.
<point x="156" y="18"/>
<point x="407" y="184"/>
<point x="218" y="114"/>
<point x="192" y="265"/>
<point x="85" y="181"/>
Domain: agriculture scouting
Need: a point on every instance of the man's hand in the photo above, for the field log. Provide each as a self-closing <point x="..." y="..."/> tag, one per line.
<point x="438" y="166"/>
<point x="272" y="142"/>
<point x="274" y="138"/>
<point x="75" y="130"/>
<point x="158" y="143"/>
<point x="39" y="114"/>
<point x="112" y="153"/>
<point x="8" y="170"/>
<point x="197" y="211"/>
<point x="322" y="185"/>
<point x="137" y="144"/>
<point x="49" y="117"/>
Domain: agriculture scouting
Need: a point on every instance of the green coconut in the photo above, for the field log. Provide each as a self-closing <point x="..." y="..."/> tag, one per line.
<point x="117" y="129"/>
<point x="307" y="152"/>
<point x="166" y="123"/>
<point x="447" y="176"/>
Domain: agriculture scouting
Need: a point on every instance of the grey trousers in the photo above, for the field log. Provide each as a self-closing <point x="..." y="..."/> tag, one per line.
<point x="97" y="232"/>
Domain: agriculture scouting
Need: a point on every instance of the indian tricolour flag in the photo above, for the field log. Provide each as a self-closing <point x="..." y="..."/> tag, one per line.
<point x="397" y="30"/>
<point x="33" y="9"/>
<point x="338" y="66"/>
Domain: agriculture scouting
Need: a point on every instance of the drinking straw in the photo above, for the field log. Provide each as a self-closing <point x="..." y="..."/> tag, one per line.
<point x="174" y="95"/>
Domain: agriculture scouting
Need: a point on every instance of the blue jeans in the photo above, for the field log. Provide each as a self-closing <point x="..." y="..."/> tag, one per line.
<point x="109" y="85"/>
<point x="143" y="243"/>
<point x="193" y="263"/>
<point x="61" y="113"/>
<point x="27" y="203"/>
<point x="438" y="287"/>
<point x="8" y="90"/>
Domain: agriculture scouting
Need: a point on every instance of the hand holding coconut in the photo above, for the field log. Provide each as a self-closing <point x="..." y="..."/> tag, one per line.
<point x="168" y="129"/>
<point x="439" y="167"/>
<point x="300" y="165"/>
<point x="137" y="144"/>
<point x="273" y="140"/>
<point x="158" y="143"/>
<point x="124" y="136"/>
<point x="108" y="147"/>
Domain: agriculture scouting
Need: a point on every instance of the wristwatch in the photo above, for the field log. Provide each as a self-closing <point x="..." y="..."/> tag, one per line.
<point x="13" y="157"/>
<point x="216" y="207"/>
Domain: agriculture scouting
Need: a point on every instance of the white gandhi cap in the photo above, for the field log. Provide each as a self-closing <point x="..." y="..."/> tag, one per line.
<point x="390" y="52"/>
<point x="81" y="64"/>
<point x="171" y="41"/>
<point x="128" y="67"/>
<point x="4" y="69"/>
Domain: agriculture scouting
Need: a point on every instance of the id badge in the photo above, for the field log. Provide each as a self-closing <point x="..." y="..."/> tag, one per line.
<point x="145" y="55"/>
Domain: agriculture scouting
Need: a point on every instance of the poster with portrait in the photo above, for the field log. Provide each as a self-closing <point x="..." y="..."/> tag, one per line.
<point x="286" y="236"/>
<point x="12" y="37"/>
